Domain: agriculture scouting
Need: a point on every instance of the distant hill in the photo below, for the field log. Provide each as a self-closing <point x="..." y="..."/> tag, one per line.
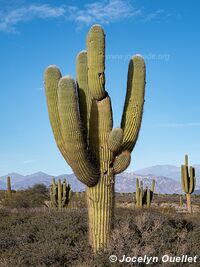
<point x="161" y="170"/>
<point x="24" y="181"/>
<point x="167" y="179"/>
<point x="170" y="171"/>
<point x="126" y="183"/>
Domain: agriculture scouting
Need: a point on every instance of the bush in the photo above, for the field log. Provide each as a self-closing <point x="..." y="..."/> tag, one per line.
<point x="30" y="198"/>
<point x="60" y="238"/>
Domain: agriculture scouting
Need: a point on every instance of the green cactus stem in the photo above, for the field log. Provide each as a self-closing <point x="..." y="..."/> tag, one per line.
<point x="188" y="181"/>
<point x="115" y="140"/>
<point x="60" y="194"/>
<point x="143" y="197"/>
<point x="82" y="122"/>
<point x="181" y="201"/>
<point x="121" y="162"/>
<point x="9" y="191"/>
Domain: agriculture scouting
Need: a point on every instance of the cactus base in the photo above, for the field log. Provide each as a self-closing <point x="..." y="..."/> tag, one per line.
<point x="189" y="206"/>
<point x="100" y="201"/>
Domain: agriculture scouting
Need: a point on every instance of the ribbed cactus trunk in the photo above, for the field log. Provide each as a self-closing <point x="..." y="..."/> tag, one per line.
<point x="100" y="200"/>
<point x="81" y="118"/>
<point x="189" y="204"/>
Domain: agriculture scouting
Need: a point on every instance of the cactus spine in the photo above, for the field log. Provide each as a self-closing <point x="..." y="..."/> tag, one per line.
<point x="60" y="194"/>
<point x="188" y="181"/>
<point x="143" y="196"/>
<point x="9" y="192"/>
<point x="81" y="118"/>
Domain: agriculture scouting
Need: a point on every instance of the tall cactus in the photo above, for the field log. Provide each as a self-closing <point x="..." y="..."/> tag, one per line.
<point x="188" y="181"/>
<point x="60" y="194"/>
<point x="9" y="192"/>
<point x="143" y="197"/>
<point x="81" y="118"/>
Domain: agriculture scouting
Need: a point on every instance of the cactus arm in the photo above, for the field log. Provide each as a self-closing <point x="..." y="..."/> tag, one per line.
<point x="121" y="161"/>
<point x="185" y="178"/>
<point x="70" y="193"/>
<point x="148" y="201"/>
<point x="153" y="186"/>
<point x="144" y="196"/>
<point x="59" y="194"/>
<point x="53" y="181"/>
<point x="137" y="194"/>
<point x="64" y="193"/>
<point x="84" y="170"/>
<point x="51" y="78"/>
<point x="101" y="123"/>
<point x="182" y="177"/>
<point x="186" y="160"/>
<point x="55" y="194"/>
<point x="133" y="108"/>
<point x="85" y="99"/>
<point x="96" y="62"/>
<point x="192" y="180"/>
<point x="141" y="193"/>
<point x="115" y="139"/>
<point x="141" y="197"/>
<point x="72" y="135"/>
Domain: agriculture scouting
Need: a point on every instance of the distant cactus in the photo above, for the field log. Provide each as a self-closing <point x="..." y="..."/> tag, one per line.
<point x="60" y="194"/>
<point x="188" y="181"/>
<point x="181" y="201"/>
<point x="82" y="122"/>
<point x="143" y="197"/>
<point x="9" y="191"/>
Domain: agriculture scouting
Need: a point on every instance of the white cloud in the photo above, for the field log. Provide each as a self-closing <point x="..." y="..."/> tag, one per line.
<point x="9" y="19"/>
<point x="103" y="12"/>
<point x="154" y="15"/>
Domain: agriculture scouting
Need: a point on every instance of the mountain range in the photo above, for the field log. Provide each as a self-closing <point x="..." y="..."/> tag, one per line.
<point x="170" y="171"/>
<point x="167" y="178"/>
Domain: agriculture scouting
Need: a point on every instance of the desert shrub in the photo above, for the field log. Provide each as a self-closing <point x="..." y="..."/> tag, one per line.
<point x="44" y="239"/>
<point x="2" y="194"/>
<point x="40" y="189"/>
<point x="30" y="198"/>
<point x="60" y="238"/>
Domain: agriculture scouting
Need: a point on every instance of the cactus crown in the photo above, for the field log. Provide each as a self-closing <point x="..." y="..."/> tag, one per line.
<point x="81" y="113"/>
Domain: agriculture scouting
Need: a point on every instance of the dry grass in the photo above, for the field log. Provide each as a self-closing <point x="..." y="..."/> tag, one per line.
<point x="38" y="236"/>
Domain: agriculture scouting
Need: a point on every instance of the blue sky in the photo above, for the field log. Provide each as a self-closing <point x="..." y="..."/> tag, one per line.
<point x="35" y="34"/>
